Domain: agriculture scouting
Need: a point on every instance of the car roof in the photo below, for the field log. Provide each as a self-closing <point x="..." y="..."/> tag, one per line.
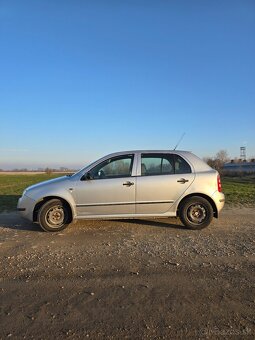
<point x="148" y="151"/>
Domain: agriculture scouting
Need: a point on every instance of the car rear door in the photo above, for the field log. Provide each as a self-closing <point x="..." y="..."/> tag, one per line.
<point x="162" y="179"/>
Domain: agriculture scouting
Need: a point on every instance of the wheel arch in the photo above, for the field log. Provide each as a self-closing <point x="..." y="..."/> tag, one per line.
<point x="45" y="199"/>
<point x="208" y="198"/>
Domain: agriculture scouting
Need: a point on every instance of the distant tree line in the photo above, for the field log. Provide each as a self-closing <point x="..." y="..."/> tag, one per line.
<point x="47" y="170"/>
<point x="221" y="158"/>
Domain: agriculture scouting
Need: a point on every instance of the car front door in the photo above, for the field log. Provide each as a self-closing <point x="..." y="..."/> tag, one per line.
<point x="107" y="189"/>
<point x="162" y="180"/>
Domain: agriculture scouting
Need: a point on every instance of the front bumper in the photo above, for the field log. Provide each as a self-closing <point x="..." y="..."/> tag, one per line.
<point x="26" y="207"/>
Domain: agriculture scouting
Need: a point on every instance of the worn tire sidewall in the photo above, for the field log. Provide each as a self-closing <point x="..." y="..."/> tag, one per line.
<point x="184" y="212"/>
<point x="43" y="211"/>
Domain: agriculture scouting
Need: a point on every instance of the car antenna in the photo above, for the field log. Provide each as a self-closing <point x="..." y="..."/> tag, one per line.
<point x="179" y="140"/>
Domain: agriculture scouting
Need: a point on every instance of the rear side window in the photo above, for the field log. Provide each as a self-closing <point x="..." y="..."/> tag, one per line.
<point x="157" y="164"/>
<point x="163" y="164"/>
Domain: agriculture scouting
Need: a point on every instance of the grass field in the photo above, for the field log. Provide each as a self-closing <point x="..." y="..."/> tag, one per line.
<point x="12" y="186"/>
<point x="237" y="190"/>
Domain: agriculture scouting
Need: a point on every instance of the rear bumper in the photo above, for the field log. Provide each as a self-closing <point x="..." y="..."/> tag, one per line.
<point x="26" y="207"/>
<point x="219" y="199"/>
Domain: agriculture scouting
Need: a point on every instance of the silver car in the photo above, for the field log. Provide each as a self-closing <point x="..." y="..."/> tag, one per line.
<point x="131" y="184"/>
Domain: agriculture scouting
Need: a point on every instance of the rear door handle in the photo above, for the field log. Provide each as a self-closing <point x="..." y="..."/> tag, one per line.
<point x="182" y="180"/>
<point x="128" y="184"/>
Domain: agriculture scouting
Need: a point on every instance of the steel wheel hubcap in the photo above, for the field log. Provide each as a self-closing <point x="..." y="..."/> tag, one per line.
<point x="55" y="216"/>
<point x="196" y="213"/>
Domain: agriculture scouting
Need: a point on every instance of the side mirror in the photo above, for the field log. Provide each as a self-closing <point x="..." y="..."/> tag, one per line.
<point x="86" y="177"/>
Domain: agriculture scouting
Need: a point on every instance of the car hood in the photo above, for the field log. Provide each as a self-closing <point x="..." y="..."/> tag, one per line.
<point x="52" y="182"/>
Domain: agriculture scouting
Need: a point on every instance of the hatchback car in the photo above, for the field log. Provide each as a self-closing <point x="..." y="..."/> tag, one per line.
<point x="131" y="184"/>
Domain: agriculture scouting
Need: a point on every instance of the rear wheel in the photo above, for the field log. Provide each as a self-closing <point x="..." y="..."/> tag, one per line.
<point x="196" y="213"/>
<point x="54" y="215"/>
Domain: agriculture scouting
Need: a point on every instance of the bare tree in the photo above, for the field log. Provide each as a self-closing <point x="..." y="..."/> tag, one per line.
<point x="48" y="171"/>
<point x="218" y="161"/>
<point x="222" y="156"/>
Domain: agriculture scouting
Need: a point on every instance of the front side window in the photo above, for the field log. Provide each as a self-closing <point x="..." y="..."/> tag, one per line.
<point x="115" y="167"/>
<point x="163" y="164"/>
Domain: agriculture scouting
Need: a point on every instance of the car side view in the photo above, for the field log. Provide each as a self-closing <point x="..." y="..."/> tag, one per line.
<point x="130" y="184"/>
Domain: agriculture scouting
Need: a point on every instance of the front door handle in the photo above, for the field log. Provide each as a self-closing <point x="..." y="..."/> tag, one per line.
<point x="182" y="180"/>
<point x="128" y="184"/>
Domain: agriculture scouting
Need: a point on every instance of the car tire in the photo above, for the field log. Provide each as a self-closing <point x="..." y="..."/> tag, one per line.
<point x="54" y="215"/>
<point x="196" y="213"/>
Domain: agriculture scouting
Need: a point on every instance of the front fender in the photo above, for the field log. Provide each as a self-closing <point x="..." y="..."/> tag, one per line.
<point x="63" y="195"/>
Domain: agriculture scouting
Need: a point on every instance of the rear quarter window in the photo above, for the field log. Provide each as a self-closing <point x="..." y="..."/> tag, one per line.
<point x="181" y="166"/>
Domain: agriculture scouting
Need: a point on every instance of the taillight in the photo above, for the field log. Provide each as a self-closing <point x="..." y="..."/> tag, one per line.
<point x="219" y="183"/>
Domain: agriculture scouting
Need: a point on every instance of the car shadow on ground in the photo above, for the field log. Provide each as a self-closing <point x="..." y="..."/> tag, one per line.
<point x="12" y="220"/>
<point x="164" y="223"/>
<point x="8" y="202"/>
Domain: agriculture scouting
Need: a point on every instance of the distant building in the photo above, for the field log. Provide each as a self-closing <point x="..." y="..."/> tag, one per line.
<point x="240" y="166"/>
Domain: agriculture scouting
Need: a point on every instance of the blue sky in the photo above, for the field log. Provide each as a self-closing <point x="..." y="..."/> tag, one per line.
<point x="80" y="79"/>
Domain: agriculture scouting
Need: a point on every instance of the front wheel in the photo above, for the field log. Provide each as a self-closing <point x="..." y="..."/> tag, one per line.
<point x="54" y="215"/>
<point x="196" y="213"/>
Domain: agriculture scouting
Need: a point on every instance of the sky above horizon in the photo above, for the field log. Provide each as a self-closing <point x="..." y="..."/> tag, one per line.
<point x="81" y="79"/>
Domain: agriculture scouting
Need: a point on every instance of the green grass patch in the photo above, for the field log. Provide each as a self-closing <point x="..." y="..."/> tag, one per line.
<point x="238" y="191"/>
<point x="12" y="186"/>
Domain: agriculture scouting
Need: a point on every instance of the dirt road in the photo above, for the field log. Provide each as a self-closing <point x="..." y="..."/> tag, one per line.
<point x="128" y="279"/>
